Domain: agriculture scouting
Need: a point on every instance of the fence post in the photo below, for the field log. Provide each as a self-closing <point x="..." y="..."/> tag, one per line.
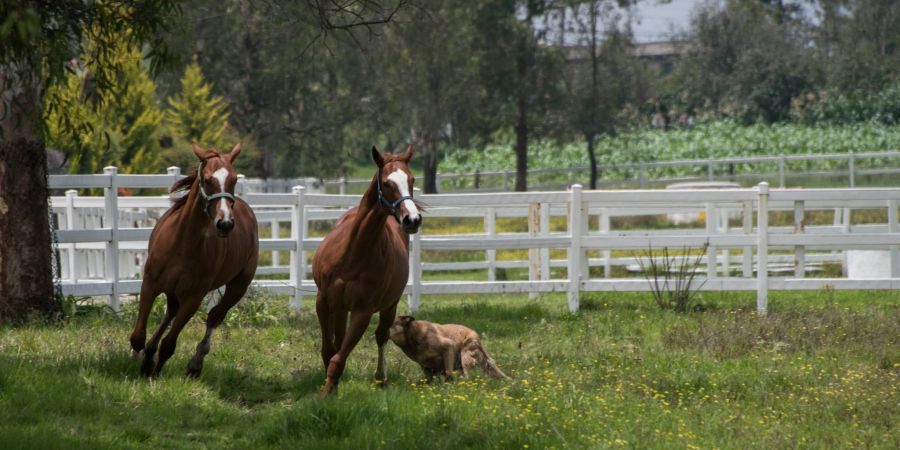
<point x="241" y="185"/>
<point x="642" y="174"/>
<point x="709" y="169"/>
<point x="851" y="169"/>
<point x="711" y="260"/>
<point x="799" y="251"/>
<point x="534" y="262"/>
<point x="490" y="227"/>
<point x="111" y="217"/>
<point x="545" y="231"/>
<point x="607" y="254"/>
<point x="415" y="273"/>
<point x="342" y="186"/>
<point x="70" y="224"/>
<point x="276" y="232"/>
<point x="174" y="172"/>
<point x="748" y="229"/>
<point x="575" y="222"/>
<point x="437" y="182"/>
<point x="762" y="250"/>
<point x="894" y="227"/>
<point x="846" y="217"/>
<point x="781" y="171"/>
<point x="298" y="256"/>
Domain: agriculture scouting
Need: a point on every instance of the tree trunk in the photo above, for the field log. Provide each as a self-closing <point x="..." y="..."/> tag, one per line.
<point x="26" y="277"/>
<point x="522" y="144"/>
<point x="592" y="155"/>
<point x="430" y="163"/>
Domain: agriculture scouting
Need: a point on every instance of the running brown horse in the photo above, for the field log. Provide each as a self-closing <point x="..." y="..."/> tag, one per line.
<point x="207" y="239"/>
<point x="362" y="265"/>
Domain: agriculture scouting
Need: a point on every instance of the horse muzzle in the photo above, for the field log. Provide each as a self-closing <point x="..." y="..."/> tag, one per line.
<point x="223" y="227"/>
<point x="411" y="226"/>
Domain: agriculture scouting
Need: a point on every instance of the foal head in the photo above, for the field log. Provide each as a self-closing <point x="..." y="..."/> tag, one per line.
<point x="395" y="187"/>
<point x="217" y="178"/>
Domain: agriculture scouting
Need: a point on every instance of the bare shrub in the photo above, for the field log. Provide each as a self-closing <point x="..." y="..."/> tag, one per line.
<point x="671" y="277"/>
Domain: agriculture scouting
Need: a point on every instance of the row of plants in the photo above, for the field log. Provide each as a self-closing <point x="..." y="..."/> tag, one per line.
<point x="721" y="139"/>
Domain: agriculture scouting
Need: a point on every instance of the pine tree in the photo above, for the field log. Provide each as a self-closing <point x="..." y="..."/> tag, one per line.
<point x="123" y="131"/>
<point x="195" y="114"/>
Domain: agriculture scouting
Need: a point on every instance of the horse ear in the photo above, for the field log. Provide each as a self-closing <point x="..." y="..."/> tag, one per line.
<point x="197" y="150"/>
<point x="405" y="156"/>
<point x="376" y="156"/>
<point x="234" y="152"/>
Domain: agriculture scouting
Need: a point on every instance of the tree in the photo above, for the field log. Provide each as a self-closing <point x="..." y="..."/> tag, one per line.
<point x="38" y="43"/>
<point x="603" y="77"/>
<point x="433" y="76"/>
<point x="123" y="130"/>
<point x="860" y="43"/>
<point x="745" y="60"/>
<point x="195" y="114"/>
<point x="521" y="76"/>
<point x="42" y="40"/>
<point x="293" y="74"/>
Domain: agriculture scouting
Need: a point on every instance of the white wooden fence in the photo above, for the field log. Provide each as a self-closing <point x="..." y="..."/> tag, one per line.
<point x="92" y="253"/>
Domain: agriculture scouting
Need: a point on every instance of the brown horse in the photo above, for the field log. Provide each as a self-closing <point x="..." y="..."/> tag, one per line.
<point x="362" y="265"/>
<point x="207" y="239"/>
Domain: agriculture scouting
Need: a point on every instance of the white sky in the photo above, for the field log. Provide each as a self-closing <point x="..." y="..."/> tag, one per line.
<point x="656" y="22"/>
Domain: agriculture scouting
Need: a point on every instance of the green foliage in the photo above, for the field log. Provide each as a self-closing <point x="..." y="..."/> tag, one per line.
<point x="708" y="140"/>
<point x="195" y="114"/>
<point x="125" y="128"/>
<point x="849" y="107"/>
<point x="817" y="372"/>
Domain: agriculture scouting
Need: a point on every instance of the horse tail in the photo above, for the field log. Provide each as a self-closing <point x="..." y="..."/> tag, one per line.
<point x="490" y="366"/>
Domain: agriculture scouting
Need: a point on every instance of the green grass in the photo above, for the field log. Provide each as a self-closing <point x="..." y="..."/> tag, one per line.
<point x="821" y="371"/>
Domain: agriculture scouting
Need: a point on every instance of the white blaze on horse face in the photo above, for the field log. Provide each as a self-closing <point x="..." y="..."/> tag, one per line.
<point x="221" y="175"/>
<point x="400" y="179"/>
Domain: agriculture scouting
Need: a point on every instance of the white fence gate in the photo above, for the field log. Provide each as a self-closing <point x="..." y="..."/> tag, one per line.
<point x="102" y="240"/>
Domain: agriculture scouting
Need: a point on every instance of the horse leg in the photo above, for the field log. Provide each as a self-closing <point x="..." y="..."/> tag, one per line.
<point x="182" y="317"/>
<point x="233" y="293"/>
<point x="359" y="320"/>
<point x="340" y="330"/>
<point x="150" y="351"/>
<point x="385" y="320"/>
<point x="326" y="325"/>
<point x="139" y="335"/>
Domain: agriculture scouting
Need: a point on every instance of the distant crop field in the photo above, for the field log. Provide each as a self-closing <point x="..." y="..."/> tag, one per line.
<point x="821" y="371"/>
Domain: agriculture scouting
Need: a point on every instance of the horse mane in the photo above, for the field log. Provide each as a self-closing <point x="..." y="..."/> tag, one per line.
<point x="178" y="193"/>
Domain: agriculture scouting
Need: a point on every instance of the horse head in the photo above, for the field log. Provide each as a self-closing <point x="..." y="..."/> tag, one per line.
<point x="217" y="178"/>
<point x="395" y="187"/>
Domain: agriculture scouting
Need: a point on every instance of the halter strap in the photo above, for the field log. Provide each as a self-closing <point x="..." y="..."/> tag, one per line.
<point x="391" y="205"/>
<point x="209" y="198"/>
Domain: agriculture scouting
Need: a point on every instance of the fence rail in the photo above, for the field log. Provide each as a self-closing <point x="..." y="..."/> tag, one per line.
<point x="652" y="174"/>
<point x="102" y="240"/>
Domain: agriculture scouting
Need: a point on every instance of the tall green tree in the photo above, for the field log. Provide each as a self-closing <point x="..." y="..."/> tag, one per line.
<point x="195" y="114"/>
<point x="125" y="127"/>
<point x="745" y="60"/>
<point x="433" y="75"/>
<point x="39" y="40"/>
<point x="603" y="76"/>
<point x="521" y="75"/>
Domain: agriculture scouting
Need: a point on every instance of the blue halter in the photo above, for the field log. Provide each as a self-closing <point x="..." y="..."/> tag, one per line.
<point x="209" y="198"/>
<point x="391" y="205"/>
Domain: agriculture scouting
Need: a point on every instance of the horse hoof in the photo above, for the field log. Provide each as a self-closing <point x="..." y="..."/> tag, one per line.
<point x="383" y="384"/>
<point x="193" y="372"/>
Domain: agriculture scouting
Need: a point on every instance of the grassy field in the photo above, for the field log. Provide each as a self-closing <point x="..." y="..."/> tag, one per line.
<point x="821" y="371"/>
